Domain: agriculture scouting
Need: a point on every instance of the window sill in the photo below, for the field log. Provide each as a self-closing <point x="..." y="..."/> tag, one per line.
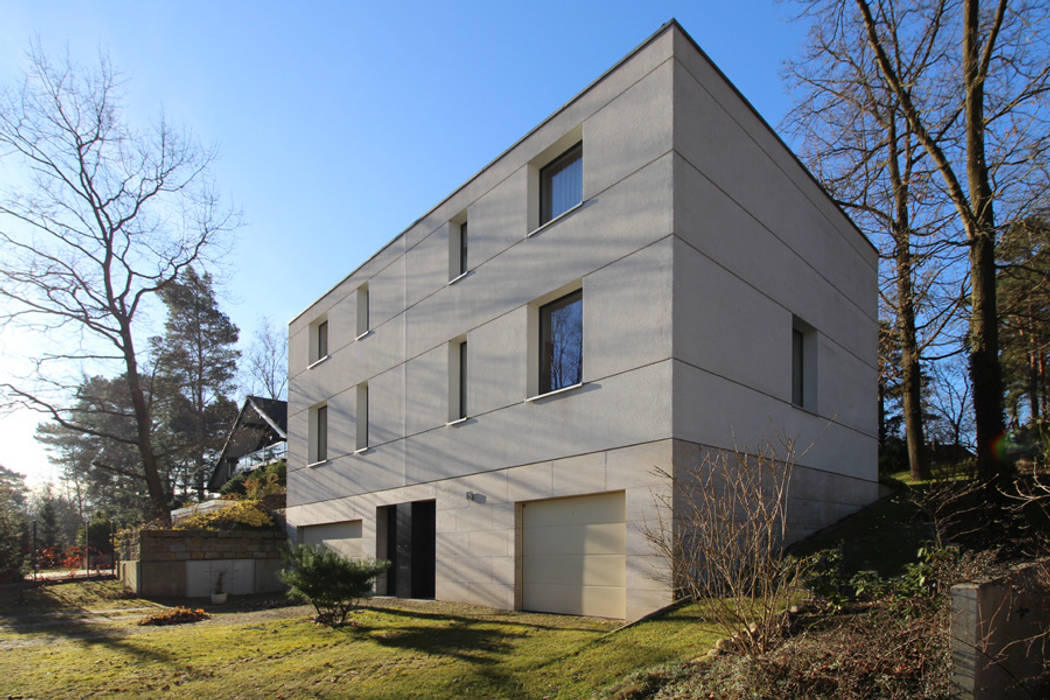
<point x="361" y="450"/>
<point x="364" y="335"/>
<point x="458" y="421"/>
<point x="805" y="409"/>
<point x="559" y="217"/>
<point x="458" y="277"/>
<point x="317" y="362"/>
<point x="549" y="394"/>
<point x="318" y="463"/>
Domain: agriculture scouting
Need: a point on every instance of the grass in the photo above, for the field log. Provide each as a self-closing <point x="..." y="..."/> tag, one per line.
<point x="68" y="597"/>
<point x="401" y="649"/>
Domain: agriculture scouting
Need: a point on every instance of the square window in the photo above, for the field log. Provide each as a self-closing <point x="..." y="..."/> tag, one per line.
<point x="561" y="184"/>
<point x="561" y="342"/>
<point x="362" y="310"/>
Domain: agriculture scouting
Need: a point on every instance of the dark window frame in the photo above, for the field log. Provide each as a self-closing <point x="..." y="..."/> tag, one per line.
<point x="322" y="340"/>
<point x="463" y="248"/>
<point x="462" y="413"/>
<point x="546" y="353"/>
<point x="547" y="174"/>
<point x="798" y="367"/>
<point x="321" y="434"/>
<point x="361" y="428"/>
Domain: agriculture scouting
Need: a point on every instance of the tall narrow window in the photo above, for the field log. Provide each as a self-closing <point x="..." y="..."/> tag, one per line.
<point x="462" y="413"/>
<point x="804" y="368"/>
<point x="362" y="310"/>
<point x="561" y="184"/>
<point x="322" y="340"/>
<point x="462" y="248"/>
<point x="798" y="367"/>
<point x="457" y="247"/>
<point x="561" y="342"/>
<point x="319" y="435"/>
<point x="362" y="416"/>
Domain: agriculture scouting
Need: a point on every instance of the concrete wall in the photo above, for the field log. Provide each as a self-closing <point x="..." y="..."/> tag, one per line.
<point x="187" y="563"/>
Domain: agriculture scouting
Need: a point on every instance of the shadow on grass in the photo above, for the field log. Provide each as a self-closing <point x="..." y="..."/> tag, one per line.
<point x="41" y="609"/>
<point x="467" y="641"/>
<point x="509" y="617"/>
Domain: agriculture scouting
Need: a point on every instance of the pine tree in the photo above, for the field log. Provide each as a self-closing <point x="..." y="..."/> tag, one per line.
<point x="196" y="365"/>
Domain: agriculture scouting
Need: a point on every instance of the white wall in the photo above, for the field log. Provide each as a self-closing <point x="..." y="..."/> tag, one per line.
<point x="617" y="246"/>
<point x="756" y="243"/>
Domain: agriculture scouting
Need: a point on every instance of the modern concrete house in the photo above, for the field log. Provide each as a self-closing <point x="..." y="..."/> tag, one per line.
<point x="647" y="273"/>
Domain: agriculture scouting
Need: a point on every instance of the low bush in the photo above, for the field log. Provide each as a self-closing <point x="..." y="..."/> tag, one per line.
<point x="330" y="582"/>
<point x="176" y="616"/>
<point x="246" y="514"/>
<point x="269" y="479"/>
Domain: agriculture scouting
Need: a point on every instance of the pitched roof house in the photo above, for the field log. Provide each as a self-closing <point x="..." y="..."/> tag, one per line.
<point x="647" y="273"/>
<point x="257" y="437"/>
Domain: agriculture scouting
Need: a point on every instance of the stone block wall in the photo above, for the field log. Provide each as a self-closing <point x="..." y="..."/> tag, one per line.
<point x="189" y="563"/>
<point x="999" y="635"/>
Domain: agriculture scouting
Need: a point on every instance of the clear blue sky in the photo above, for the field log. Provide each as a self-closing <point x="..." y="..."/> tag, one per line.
<point x="339" y="124"/>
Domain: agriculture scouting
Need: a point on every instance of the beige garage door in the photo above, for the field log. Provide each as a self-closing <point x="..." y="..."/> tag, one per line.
<point x="344" y="537"/>
<point x="573" y="555"/>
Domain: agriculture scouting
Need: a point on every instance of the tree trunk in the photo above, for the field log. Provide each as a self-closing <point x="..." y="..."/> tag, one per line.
<point x="911" y="372"/>
<point x="911" y="399"/>
<point x="985" y="372"/>
<point x="143" y="424"/>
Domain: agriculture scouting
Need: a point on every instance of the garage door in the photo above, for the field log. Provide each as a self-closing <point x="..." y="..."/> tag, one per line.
<point x="573" y="555"/>
<point x="344" y="537"/>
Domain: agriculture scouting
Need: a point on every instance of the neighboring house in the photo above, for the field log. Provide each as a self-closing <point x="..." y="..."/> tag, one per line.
<point x="257" y="438"/>
<point x="647" y="272"/>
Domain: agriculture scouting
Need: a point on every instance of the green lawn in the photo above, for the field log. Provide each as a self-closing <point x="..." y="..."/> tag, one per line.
<point x="394" y="650"/>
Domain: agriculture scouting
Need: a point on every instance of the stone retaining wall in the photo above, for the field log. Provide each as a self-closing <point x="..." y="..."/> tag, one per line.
<point x="191" y="563"/>
<point x="999" y="635"/>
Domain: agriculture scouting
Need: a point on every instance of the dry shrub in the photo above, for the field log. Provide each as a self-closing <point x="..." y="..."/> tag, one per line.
<point x="176" y="616"/>
<point x="866" y="655"/>
<point x="725" y="542"/>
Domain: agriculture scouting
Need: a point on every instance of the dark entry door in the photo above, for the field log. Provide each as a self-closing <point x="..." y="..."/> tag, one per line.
<point x="408" y="531"/>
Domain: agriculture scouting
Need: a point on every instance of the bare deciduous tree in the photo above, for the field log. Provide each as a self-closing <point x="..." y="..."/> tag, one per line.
<point x="857" y="141"/>
<point x="101" y="219"/>
<point x="970" y="83"/>
<point x="268" y="360"/>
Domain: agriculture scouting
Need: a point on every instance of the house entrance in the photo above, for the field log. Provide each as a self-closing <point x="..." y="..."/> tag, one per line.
<point x="405" y="536"/>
